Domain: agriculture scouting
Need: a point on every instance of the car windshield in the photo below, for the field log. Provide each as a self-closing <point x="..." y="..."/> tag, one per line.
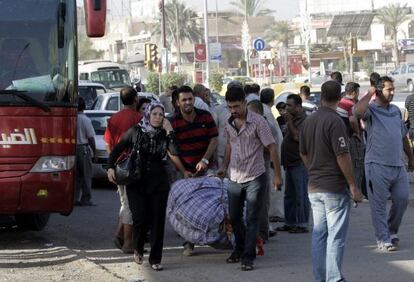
<point x="89" y="94"/>
<point x="99" y="121"/>
<point x="113" y="78"/>
<point x="31" y="58"/>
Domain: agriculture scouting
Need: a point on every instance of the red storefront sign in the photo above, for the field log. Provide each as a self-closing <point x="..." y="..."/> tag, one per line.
<point x="200" y="53"/>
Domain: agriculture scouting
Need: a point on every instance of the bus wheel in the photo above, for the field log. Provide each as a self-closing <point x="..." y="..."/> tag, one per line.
<point x="33" y="221"/>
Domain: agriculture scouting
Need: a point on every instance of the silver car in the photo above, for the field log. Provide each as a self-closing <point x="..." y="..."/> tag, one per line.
<point x="99" y="122"/>
<point x="403" y="77"/>
<point x="111" y="101"/>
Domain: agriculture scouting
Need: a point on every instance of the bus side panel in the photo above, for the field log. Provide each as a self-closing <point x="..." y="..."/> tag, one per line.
<point x="48" y="192"/>
<point x="9" y="195"/>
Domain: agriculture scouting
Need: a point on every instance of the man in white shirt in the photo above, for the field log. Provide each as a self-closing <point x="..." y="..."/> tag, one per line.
<point x="202" y="97"/>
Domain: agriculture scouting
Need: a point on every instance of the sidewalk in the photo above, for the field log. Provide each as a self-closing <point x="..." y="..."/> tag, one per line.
<point x="288" y="258"/>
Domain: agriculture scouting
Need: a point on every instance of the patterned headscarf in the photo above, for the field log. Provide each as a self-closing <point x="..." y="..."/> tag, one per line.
<point x="145" y="123"/>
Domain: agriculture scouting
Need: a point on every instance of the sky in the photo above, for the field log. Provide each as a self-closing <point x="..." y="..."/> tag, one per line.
<point x="285" y="9"/>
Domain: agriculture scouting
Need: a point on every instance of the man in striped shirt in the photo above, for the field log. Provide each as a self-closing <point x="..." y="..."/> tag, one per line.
<point x="247" y="135"/>
<point x="196" y="134"/>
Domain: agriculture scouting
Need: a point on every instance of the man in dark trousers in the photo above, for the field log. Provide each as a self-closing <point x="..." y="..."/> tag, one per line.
<point x="196" y="134"/>
<point x="85" y="150"/>
<point x="323" y="145"/>
<point x="247" y="135"/>
<point x="296" y="201"/>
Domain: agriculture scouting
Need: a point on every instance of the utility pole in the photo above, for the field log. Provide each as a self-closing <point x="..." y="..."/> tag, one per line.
<point x="164" y="55"/>
<point x="247" y="53"/>
<point x="207" y="45"/>
<point x="217" y="32"/>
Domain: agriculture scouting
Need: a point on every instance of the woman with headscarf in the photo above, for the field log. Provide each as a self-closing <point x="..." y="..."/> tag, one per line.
<point x="148" y="196"/>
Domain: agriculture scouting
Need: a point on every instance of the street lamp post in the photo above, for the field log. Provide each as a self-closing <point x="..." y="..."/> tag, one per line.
<point x="206" y="42"/>
<point x="305" y="33"/>
<point x="246" y="39"/>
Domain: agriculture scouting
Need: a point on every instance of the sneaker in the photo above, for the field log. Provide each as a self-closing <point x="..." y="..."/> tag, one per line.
<point x="395" y="240"/>
<point x="387" y="247"/>
<point x="188" y="249"/>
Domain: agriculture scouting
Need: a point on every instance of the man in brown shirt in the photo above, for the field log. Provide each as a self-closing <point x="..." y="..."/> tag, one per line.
<point x="324" y="150"/>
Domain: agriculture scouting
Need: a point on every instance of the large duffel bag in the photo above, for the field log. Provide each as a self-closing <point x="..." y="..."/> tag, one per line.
<point x="197" y="209"/>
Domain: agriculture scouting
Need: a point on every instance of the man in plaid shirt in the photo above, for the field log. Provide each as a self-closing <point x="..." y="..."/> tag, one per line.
<point x="247" y="135"/>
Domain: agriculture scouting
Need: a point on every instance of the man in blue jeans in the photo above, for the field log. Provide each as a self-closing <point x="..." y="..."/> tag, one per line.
<point x="247" y="134"/>
<point x="323" y="146"/>
<point x="296" y="200"/>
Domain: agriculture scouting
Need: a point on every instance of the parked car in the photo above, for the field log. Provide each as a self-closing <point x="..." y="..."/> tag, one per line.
<point x="89" y="91"/>
<point x="216" y="99"/>
<point x="403" y="77"/>
<point x="315" y="99"/>
<point x="111" y="101"/>
<point x="99" y="122"/>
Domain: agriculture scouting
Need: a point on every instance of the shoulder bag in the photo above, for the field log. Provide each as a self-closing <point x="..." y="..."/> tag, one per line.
<point x="128" y="169"/>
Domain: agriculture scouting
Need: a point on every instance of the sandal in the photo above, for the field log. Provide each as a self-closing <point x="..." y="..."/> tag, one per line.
<point x="234" y="258"/>
<point x="139" y="259"/>
<point x="285" y="227"/>
<point x="157" y="267"/>
<point x="247" y="267"/>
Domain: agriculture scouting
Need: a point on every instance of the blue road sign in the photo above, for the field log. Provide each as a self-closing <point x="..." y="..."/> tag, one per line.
<point x="259" y="44"/>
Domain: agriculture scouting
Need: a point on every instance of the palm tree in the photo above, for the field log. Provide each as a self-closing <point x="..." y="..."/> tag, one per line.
<point x="282" y="32"/>
<point x="254" y="8"/>
<point x="392" y="17"/>
<point x="181" y="25"/>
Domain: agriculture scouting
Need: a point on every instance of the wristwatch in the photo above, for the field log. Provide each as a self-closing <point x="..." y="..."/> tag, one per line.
<point x="205" y="161"/>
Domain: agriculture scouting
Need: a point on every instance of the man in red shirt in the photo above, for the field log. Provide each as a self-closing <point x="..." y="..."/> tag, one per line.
<point x="118" y="124"/>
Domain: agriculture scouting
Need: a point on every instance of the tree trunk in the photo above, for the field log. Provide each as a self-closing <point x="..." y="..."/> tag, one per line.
<point x="178" y="41"/>
<point x="395" y="49"/>
<point x="344" y="40"/>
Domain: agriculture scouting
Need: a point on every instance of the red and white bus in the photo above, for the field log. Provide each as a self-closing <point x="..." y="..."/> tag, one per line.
<point x="38" y="105"/>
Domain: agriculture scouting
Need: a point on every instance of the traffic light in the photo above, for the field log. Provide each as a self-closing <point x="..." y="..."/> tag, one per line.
<point x="354" y="45"/>
<point x="151" y="56"/>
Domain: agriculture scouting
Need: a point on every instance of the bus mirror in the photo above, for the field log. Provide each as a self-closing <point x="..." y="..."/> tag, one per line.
<point x="95" y="15"/>
<point x="97" y="5"/>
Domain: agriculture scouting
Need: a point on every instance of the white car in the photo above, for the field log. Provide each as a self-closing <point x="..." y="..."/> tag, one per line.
<point x="111" y="101"/>
<point x="99" y="122"/>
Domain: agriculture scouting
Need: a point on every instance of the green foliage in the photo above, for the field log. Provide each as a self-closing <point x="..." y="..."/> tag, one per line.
<point x="86" y="50"/>
<point x="342" y="66"/>
<point x="254" y="7"/>
<point x="216" y="81"/>
<point x="170" y="79"/>
<point x="367" y="66"/>
<point x="152" y="85"/>
<point x="167" y="80"/>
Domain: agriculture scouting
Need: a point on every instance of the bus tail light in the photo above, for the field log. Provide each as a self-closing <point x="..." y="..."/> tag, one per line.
<point x="54" y="164"/>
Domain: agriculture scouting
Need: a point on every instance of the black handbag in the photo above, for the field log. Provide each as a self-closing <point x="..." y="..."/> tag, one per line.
<point x="128" y="169"/>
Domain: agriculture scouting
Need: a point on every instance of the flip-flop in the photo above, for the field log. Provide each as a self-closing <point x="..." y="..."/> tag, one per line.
<point x="284" y="228"/>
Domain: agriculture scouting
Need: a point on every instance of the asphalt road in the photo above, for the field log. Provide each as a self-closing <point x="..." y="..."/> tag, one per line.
<point x="79" y="248"/>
